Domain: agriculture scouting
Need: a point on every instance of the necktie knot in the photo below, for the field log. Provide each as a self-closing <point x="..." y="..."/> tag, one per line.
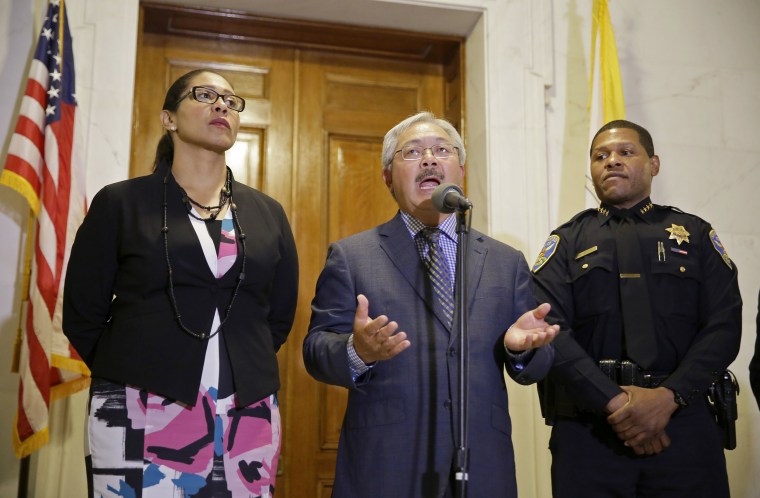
<point x="431" y="235"/>
<point x="622" y="215"/>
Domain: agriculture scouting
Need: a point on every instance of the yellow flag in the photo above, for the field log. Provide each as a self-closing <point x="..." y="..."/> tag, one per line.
<point x="606" y="101"/>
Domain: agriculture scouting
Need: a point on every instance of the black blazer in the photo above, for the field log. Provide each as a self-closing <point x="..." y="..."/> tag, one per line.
<point x="116" y="308"/>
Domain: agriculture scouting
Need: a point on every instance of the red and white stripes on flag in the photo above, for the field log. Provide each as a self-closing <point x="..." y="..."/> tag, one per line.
<point x="45" y="167"/>
<point x="606" y="102"/>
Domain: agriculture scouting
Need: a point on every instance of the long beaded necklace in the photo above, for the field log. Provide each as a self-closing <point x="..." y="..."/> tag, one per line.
<point x="224" y="196"/>
<point x="165" y="231"/>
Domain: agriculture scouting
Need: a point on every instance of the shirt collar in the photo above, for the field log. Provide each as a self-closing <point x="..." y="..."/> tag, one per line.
<point x="642" y="211"/>
<point x="447" y="226"/>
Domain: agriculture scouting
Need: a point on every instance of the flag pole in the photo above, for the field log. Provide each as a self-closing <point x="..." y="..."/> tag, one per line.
<point x="23" y="478"/>
<point x="24" y="463"/>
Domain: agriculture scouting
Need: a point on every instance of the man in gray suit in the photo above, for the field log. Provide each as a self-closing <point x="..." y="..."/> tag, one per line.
<point x="380" y="328"/>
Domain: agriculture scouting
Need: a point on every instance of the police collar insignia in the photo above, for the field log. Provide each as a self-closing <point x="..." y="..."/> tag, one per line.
<point x="718" y="245"/>
<point x="678" y="233"/>
<point x="550" y="247"/>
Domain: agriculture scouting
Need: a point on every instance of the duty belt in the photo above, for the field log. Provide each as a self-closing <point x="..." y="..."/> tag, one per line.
<point x="627" y="373"/>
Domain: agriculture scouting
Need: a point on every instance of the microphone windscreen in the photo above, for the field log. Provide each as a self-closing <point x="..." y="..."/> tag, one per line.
<point x="439" y="197"/>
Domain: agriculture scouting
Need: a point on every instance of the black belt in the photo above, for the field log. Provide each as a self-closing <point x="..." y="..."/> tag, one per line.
<point x="621" y="372"/>
<point x="627" y="373"/>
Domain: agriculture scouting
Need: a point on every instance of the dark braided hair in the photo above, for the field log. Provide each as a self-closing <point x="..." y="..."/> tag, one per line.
<point x="165" y="148"/>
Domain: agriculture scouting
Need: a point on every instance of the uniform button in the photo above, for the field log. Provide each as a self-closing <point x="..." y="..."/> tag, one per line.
<point x="585" y="265"/>
<point x="447" y="404"/>
<point x="682" y="269"/>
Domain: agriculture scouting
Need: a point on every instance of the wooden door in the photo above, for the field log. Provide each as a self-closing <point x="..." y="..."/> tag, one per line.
<point x="311" y="137"/>
<point x="346" y="104"/>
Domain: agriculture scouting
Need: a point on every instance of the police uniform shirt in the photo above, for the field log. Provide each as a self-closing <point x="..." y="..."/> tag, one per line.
<point x="692" y="286"/>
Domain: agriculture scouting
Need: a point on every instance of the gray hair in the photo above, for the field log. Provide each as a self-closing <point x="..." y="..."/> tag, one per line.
<point x="390" y="142"/>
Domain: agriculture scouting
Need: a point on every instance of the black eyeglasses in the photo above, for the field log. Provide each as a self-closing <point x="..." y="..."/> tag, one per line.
<point x="416" y="152"/>
<point x="209" y="96"/>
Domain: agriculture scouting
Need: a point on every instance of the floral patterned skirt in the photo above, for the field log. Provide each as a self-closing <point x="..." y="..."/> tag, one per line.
<point x="141" y="445"/>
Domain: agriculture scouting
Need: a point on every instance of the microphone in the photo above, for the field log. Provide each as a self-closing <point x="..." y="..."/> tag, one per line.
<point x="448" y="198"/>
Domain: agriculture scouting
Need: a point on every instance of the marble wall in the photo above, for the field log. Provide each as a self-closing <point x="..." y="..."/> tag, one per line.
<point x="104" y="34"/>
<point x="691" y="74"/>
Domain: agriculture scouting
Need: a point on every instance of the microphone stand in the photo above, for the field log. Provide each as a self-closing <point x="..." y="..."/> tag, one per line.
<point x="461" y="455"/>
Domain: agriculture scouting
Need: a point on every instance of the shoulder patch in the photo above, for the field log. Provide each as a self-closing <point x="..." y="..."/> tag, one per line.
<point x="718" y="245"/>
<point x="550" y="247"/>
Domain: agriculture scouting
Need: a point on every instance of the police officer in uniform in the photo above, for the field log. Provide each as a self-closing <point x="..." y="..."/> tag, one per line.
<point x="649" y="308"/>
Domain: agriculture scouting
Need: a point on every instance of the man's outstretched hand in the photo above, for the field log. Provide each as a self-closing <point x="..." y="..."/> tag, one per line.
<point x="531" y="330"/>
<point x="376" y="339"/>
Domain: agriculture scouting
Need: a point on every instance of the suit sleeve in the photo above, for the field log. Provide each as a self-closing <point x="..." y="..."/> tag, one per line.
<point x="333" y="309"/>
<point x="284" y="294"/>
<point x="90" y="274"/>
<point x="534" y="366"/>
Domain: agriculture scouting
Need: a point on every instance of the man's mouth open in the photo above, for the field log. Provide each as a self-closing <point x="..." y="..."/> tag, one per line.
<point x="429" y="183"/>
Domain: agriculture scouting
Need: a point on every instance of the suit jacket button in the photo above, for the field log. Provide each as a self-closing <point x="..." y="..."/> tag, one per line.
<point x="447" y="404"/>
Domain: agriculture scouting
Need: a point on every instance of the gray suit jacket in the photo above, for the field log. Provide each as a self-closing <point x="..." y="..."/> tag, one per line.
<point x="398" y="437"/>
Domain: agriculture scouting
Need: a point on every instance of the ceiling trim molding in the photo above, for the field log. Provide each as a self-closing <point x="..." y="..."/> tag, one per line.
<point x="241" y="26"/>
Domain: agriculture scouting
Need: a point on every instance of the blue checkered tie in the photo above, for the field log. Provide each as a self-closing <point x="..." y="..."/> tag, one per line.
<point x="438" y="270"/>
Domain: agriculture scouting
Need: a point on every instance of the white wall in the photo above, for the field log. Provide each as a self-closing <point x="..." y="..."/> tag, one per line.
<point x="104" y="34"/>
<point x="16" y="24"/>
<point x="691" y="74"/>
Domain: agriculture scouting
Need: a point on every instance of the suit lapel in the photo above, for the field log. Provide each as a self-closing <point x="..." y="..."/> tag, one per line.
<point x="474" y="261"/>
<point x="183" y="241"/>
<point x="398" y="244"/>
<point x="476" y="257"/>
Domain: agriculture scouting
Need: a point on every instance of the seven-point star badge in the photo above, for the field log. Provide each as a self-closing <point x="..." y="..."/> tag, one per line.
<point x="679" y="233"/>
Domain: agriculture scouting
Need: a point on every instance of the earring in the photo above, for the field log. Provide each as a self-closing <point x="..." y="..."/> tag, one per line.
<point x="173" y="128"/>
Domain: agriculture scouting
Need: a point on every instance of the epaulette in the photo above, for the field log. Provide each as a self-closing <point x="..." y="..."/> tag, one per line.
<point x="672" y="208"/>
<point x="681" y="211"/>
<point x="585" y="212"/>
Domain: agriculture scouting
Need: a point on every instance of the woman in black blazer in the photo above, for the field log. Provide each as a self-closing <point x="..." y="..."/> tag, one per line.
<point x="180" y="289"/>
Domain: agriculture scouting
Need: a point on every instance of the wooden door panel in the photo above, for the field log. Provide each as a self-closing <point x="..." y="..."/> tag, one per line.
<point x="245" y="157"/>
<point x="346" y="105"/>
<point x="356" y="186"/>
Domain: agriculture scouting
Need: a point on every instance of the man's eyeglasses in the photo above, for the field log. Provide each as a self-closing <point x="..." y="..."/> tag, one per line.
<point x="416" y="152"/>
<point x="209" y="96"/>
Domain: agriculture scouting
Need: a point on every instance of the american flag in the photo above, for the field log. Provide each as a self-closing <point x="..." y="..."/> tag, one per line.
<point x="45" y="167"/>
